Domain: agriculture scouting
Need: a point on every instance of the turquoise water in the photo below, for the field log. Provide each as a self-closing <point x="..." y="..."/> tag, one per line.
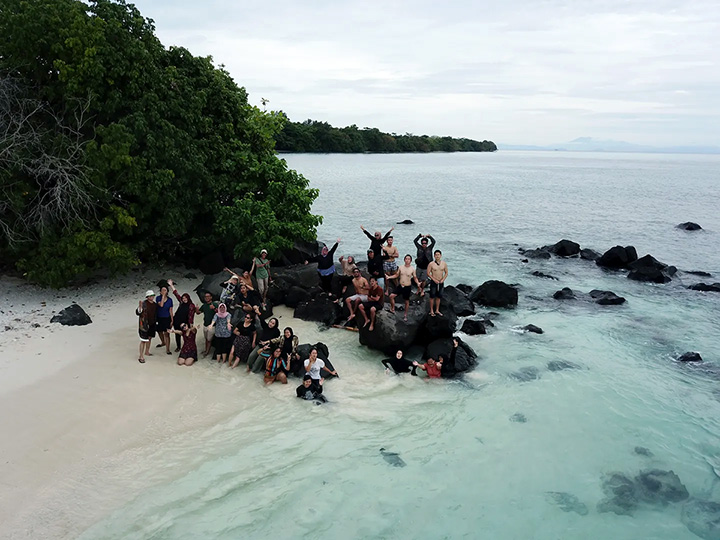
<point x="282" y="468"/>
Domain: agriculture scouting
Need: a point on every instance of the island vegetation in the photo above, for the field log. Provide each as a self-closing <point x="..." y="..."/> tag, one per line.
<point x="321" y="137"/>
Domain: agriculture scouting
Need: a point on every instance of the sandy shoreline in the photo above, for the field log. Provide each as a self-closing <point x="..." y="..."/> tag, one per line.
<point x="79" y="408"/>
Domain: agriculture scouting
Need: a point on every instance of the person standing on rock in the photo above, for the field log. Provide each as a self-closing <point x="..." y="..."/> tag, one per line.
<point x="376" y="301"/>
<point x="208" y="309"/>
<point x="261" y="266"/>
<point x="375" y="268"/>
<point x="164" y="317"/>
<point x="390" y="253"/>
<point x="326" y="267"/>
<point x="424" y="244"/>
<point x="361" y="293"/>
<point x="185" y="313"/>
<point x="406" y="275"/>
<point x="377" y="241"/>
<point x="438" y="273"/>
<point x="348" y="267"/>
<point x="146" y="312"/>
<point x="399" y="364"/>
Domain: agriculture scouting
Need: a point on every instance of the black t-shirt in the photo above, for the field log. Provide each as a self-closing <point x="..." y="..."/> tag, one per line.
<point x="246" y="330"/>
<point x="375" y="267"/>
<point x="266" y="333"/>
<point x="399" y="365"/>
<point x="314" y="391"/>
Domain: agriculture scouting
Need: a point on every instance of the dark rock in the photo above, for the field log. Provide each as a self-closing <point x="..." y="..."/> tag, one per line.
<point x="689" y="226"/>
<point x="520" y="418"/>
<point x="391" y="332"/>
<point x="438" y="327"/>
<point x="212" y="263"/>
<point x="406" y="222"/>
<point x="705" y="287"/>
<point x="660" y="487"/>
<point x="163" y="283"/>
<point x="567" y="502"/>
<point x="456" y="300"/>
<point x="495" y="293"/>
<point x="536" y="273"/>
<point x="524" y="261"/>
<point x="589" y="254"/>
<point x="296" y="295"/>
<point x="35" y="325"/>
<point x="473" y="327"/>
<point x="532" y="328"/>
<point x="621" y="497"/>
<point x="465" y="357"/>
<point x="299" y="275"/>
<point x="564" y="248"/>
<point x="277" y="291"/>
<point x="606" y="298"/>
<point x="467" y="289"/>
<point x="690" y="357"/>
<point x="320" y="309"/>
<point x="642" y="451"/>
<point x="393" y="458"/>
<point x="565" y="293"/>
<point x="648" y="268"/>
<point x="700" y="273"/>
<point x="525" y="374"/>
<point x="73" y="315"/>
<point x="539" y="253"/>
<point x="617" y="257"/>
<point x="559" y="365"/>
<point x="304" y="350"/>
<point x="300" y="252"/>
<point x="702" y="518"/>
<point x="212" y="284"/>
<point x="190" y="275"/>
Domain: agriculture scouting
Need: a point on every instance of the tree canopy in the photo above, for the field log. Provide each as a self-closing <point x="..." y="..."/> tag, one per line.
<point x="115" y="149"/>
<point x="314" y="136"/>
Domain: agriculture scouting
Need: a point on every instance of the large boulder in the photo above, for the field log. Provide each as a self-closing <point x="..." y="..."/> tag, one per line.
<point x="467" y="289"/>
<point x="473" y="327"/>
<point x="495" y="293"/>
<point x="438" y="327"/>
<point x="606" y="298"/>
<point x="277" y="291"/>
<point x="564" y="248"/>
<point x="539" y="253"/>
<point x="212" y="284"/>
<point x="648" y="268"/>
<point x="296" y="295"/>
<point x="702" y="518"/>
<point x="391" y="332"/>
<point x="300" y="252"/>
<point x="465" y="357"/>
<point x="617" y="257"/>
<point x="689" y="226"/>
<point x="566" y="293"/>
<point x="589" y="254"/>
<point x="320" y="309"/>
<point x="457" y="301"/>
<point x="73" y="315"/>
<point x="299" y="275"/>
<point x="705" y="287"/>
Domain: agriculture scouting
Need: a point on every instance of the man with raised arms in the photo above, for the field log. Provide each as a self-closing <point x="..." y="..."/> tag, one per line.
<point x="362" y="287"/>
<point x="438" y="273"/>
<point x="377" y="241"/>
<point x="406" y="274"/>
<point x="424" y="244"/>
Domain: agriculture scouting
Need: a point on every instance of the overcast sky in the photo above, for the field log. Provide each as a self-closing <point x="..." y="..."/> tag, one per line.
<point x="518" y="72"/>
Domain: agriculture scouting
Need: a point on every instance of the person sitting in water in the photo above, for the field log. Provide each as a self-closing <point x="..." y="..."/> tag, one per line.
<point x="424" y="244"/>
<point x="268" y="331"/>
<point x="276" y="368"/>
<point x="433" y="368"/>
<point x="400" y="365"/>
<point x="309" y="390"/>
<point x="227" y="296"/>
<point x="185" y="312"/>
<point x="146" y="312"/>
<point x="406" y="273"/>
<point x="361" y="293"/>
<point x="377" y="241"/>
<point x="375" y="268"/>
<point x="376" y="301"/>
<point x="314" y="366"/>
<point x="448" y="364"/>
<point x="288" y="342"/>
<point x="188" y="353"/>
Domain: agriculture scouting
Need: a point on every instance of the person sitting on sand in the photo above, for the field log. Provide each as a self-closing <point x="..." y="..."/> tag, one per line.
<point x="276" y="367"/>
<point x="433" y="368"/>
<point x="424" y="244"/>
<point x="164" y="317"/>
<point x="223" y="333"/>
<point x="375" y="268"/>
<point x="288" y="342"/>
<point x="309" y="390"/>
<point x="245" y="336"/>
<point x="406" y="275"/>
<point x="261" y="267"/>
<point x="438" y="273"/>
<point x="208" y="309"/>
<point x="227" y="296"/>
<point x="314" y="366"/>
<point x="326" y="267"/>
<point x="377" y="241"/>
<point x="399" y="364"/>
<point x="268" y="331"/>
<point x="376" y="301"/>
<point x="361" y="293"/>
<point x="185" y="312"/>
<point x="390" y="254"/>
<point x="146" y="312"/>
<point x="188" y="353"/>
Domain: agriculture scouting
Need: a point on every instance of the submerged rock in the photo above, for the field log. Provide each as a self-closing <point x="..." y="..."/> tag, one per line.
<point x="700" y="273"/>
<point x="393" y="458"/>
<point x="689" y="226"/>
<point x="73" y="315"/>
<point x="525" y="374"/>
<point x="520" y="418"/>
<point x="456" y="300"/>
<point x="606" y="298"/>
<point x="560" y="365"/>
<point x="539" y="253"/>
<point x="648" y="268"/>
<point x="705" y="287"/>
<point x="642" y="451"/>
<point x="660" y="487"/>
<point x="473" y="327"/>
<point x="690" y="357"/>
<point x="617" y="257"/>
<point x="533" y="329"/>
<point x="539" y="274"/>
<point x="564" y="248"/>
<point x="702" y="518"/>
<point x="566" y="293"/>
<point x="567" y="502"/>
<point x="495" y="293"/>
<point x="621" y="498"/>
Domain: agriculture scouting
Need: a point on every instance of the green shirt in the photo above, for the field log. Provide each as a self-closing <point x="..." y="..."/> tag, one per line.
<point x="208" y="312"/>
<point x="261" y="272"/>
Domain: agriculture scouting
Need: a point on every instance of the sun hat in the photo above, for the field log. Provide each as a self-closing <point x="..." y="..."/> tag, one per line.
<point x="149" y="293"/>
<point x="263" y="251"/>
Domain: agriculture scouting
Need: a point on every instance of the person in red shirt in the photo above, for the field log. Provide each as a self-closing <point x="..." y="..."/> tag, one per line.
<point x="433" y="368"/>
<point x="376" y="301"/>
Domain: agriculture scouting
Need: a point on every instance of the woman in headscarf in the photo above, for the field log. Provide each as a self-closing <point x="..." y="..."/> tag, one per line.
<point x="245" y="336"/>
<point x="223" y="333"/>
<point x="268" y="331"/>
<point x="276" y="367"/>
<point x="288" y="343"/>
<point x="188" y="354"/>
<point x="326" y="267"/>
<point x="185" y="313"/>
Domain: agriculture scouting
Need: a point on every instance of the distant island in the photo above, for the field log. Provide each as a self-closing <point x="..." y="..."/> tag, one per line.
<point x="590" y="144"/>
<point x="320" y="137"/>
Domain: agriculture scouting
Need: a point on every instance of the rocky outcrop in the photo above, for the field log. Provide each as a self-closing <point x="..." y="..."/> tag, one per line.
<point x="467" y="289"/>
<point x="690" y="357"/>
<point x="391" y="332"/>
<point x="564" y="248"/>
<point x="653" y="486"/>
<point x="689" y="226"/>
<point x="296" y="296"/>
<point x="539" y="253"/>
<point x="438" y="327"/>
<point x="465" y="357"/>
<point x="648" y="268"/>
<point x="320" y="309"/>
<point x="457" y="301"/>
<point x="705" y="287"/>
<point x="539" y="274"/>
<point x="589" y="254"/>
<point x="532" y="329"/>
<point x="566" y="293"/>
<point x="495" y="293"/>
<point x="212" y="263"/>
<point x="606" y="298"/>
<point x="73" y="315"/>
<point x="617" y="257"/>
<point x="473" y="327"/>
<point x="300" y="252"/>
<point x="406" y="222"/>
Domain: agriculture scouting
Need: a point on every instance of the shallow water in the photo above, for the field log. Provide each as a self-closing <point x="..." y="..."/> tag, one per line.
<point x="284" y="468"/>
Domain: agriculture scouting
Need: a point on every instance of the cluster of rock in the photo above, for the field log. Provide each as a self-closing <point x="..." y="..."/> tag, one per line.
<point x="604" y="298"/>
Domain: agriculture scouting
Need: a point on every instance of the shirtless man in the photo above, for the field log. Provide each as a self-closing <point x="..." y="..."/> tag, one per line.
<point x="438" y="273"/>
<point x="376" y="300"/>
<point x="390" y="253"/>
<point x="361" y="293"/>
<point x="406" y="273"/>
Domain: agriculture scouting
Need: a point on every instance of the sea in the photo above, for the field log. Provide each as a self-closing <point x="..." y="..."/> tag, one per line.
<point x="492" y="455"/>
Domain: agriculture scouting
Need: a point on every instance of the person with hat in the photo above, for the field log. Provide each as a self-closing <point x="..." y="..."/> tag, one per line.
<point x="227" y="296"/>
<point x="146" y="311"/>
<point x="261" y="267"/>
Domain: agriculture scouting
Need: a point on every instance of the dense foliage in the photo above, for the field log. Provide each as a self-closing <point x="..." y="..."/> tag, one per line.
<point x="115" y="149"/>
<point x="312" y="136"/>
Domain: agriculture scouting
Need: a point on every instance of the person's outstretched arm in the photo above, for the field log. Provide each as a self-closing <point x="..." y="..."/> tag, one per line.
<point x="332" y="251"/>
<point x="432" y="242"/>
<point x="370" y="236"/>
<point x="387" y="234"/>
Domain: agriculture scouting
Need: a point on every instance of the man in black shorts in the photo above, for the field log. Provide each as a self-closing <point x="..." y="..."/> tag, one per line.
<point x="376" y="301"/>
<point x="438" y="273"/>
<point x="406" y="275"/>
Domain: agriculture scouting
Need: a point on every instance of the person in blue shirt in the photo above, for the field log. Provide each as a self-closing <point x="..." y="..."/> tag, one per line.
<point x="164" y="318"/>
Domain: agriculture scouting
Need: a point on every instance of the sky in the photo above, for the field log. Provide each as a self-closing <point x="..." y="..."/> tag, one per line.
<point x="514" y="71"/>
